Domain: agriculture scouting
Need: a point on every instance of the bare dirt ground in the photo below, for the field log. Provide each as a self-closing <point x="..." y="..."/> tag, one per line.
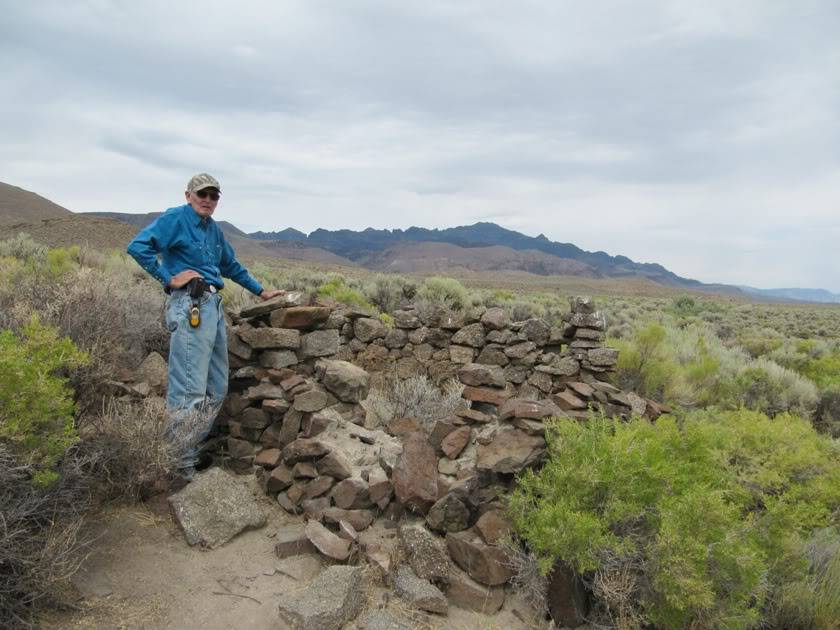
<point x="142" y="574"/>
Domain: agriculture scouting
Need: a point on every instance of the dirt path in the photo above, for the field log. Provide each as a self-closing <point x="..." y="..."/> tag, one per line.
<point x="142" y="574"/>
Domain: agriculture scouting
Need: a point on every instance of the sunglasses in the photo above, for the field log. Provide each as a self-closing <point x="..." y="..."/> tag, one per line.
<point x="203" y="194"/>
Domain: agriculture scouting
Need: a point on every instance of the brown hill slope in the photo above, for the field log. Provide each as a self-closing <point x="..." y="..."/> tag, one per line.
<point x="21" y="206"/>
<point x="430" y="257"/>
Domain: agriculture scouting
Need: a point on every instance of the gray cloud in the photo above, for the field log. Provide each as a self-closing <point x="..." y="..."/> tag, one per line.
<point x="701" y="136"/>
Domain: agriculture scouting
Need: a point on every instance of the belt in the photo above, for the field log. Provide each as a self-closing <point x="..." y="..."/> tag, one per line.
<point x="195" y="292"/>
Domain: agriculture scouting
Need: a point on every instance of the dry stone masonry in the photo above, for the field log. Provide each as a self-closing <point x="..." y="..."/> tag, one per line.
<point x="297" y="417"/>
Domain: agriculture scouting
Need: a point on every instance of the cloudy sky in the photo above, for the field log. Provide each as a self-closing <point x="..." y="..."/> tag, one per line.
<point x="701" y="135"/>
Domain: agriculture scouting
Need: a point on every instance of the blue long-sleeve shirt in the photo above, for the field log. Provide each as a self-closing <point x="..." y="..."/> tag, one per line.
<point x="185" y="240"/>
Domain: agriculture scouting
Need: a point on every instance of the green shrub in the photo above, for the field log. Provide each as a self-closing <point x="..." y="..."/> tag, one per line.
<point x="340" y="292"/>
<point x="36" y="406"/>
<point x="712" y="514"/>
<point x="446" y="291"/>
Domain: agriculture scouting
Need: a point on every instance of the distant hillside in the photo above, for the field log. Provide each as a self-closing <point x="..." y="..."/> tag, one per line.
<point x="798" y="295"/>
<point x="443" y="258"/>
<point x="359" y="246"/>
<point x="21" y="206"/>
<point x="142" y="220"/>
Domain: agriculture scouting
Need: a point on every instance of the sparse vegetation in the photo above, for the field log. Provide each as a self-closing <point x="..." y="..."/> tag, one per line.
<point x="415" y="397"/>
<point x="707" y="520"/>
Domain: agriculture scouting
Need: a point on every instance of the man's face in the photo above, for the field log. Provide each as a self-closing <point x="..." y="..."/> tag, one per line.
<point x="204" y="201"/>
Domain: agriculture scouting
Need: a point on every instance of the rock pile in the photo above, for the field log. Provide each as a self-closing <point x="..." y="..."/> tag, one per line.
<point x="296" y="416"/>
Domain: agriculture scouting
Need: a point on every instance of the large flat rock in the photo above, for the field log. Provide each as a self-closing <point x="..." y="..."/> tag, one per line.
<point x="214" y="508"/>
<point x="331" y="600"/>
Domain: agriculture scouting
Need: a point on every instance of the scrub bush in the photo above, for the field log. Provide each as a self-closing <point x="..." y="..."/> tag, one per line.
<point x="710" y="515"/>
<point x="445" y="291"/>
<point x="36" y="405"/>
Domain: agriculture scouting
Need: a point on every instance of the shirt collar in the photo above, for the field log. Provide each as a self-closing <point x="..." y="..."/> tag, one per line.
<point x="197" y="220"/>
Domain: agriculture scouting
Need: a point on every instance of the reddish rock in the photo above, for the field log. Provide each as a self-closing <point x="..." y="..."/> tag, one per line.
<point x="568" y="601"/>
<point x="304" y="470"/>
<point x="531" y="409"/>
<point x="455" y="442"/>
<point x="510" y="452"/>
<point x="351" y="494"/>
<point x="268" y="458"/>
<point x="335" y="465"/>
<point x="567" y="400"/>
<point x="440" y="430"/>
<point x="467" y="594"/>
<point x="482" y="374"/>
<point x="380" y="487"/>
<point x="313" y="509"/>
<point x="292" y="382"/>
<point x="313" y="424"/>
<point x="275" y="407"/>
<point x="584" y="390"/>
<point x="299" y="317"/>
<point x="402" y="426"/>
<point x="483" y="563"/>
<point x="254" y="418"/>
<point x="317" y="487"/>
<point x="473" y="415"/>
<point x="359" y="519"/>
<point x="485" y="394"/>
<point x="415" y="474"/>
<point x="279" y="479"/>
<point x="326" y="542"/>
<point x="347" y="531"/>
<point x="493" y="527"/>
<point x="303" y="449"/>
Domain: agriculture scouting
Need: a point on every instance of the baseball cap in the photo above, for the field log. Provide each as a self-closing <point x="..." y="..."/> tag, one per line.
<point x="202" y="181"/>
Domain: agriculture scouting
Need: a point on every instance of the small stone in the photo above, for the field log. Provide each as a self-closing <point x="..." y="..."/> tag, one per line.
<point x="510" y="452"/>
<point x="268" y="458"/>
<point x="493" y="527"/>
<point x="304" y="470"/>
<point x="291" y="298"/>
<point x="270" y="338"/>
<point x="347" y="531"/>
<point x="317" y="487"/>
<point x="359" y="519"/>
<point x="348" y="382"/>
<point x="279" y="479"/>
<point x="351" y="494"/>
<point x="415" y="474"/>
<point x="482" y="374"/>
<point x="464" y="592"/>
<point x="299" y="317"/>
<point x="312" y="400"/>
<point x="461" y="354"/>
<point x="302" y="449"/>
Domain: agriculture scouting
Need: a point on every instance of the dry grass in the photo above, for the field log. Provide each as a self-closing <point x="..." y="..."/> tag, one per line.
<point x="137" y="451"/>
<point x="415" y="397"/>
<point x="41" y="540"/>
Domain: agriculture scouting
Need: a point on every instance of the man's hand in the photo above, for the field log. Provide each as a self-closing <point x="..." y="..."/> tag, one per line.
<point x="267" y="295"/>
<point x="180" y="279"/>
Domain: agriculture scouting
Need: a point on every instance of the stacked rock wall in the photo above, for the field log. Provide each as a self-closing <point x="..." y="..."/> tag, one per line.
<point x="296" y="415"/>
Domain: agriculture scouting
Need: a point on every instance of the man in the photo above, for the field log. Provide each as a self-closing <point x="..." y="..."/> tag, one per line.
<point x="194" y="256"/>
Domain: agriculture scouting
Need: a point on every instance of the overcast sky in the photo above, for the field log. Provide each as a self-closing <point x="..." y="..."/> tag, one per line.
<point x="701" y="135"/>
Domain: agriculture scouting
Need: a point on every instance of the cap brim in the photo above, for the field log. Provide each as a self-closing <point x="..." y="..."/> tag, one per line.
<point x="219" y="190"/>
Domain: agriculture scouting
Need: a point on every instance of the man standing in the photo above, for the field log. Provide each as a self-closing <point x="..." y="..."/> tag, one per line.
<point x="194" y="256"/>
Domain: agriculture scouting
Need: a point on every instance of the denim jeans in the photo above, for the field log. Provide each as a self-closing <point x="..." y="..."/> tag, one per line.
<point x="198" y="371"/>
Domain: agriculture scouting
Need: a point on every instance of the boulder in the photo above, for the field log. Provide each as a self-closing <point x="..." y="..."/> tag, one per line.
<point x="472" y="335"/>
<point x="484" y="563"/>
<point x="493" y="527"/>
<point x="455" y="442"/>
<point x="351" y="494"/>
<point x="153" y="371"/>
<point x="214" y="508"/>
<point x="366" y="329"/>
<point x="448" y="514"/>
<point x="303" y="449"/>
<point x="478" y="374"/>
<point x="319" y="343"/>
<point x="603" y="357"/>
<point x="495" y="318"/>
<point x="536" y="330"/>
<point x="464" y="592"/>
<point x="359" y="519"/>
<point x="312" y="400"/>
<point x="567" y="598"/>
<point x="299" y="317"/>
<point x="417" y="592"/>
<point x="510" y="452"/>
<point x="348" y="382"/>
<point x="329" y="602"/>
<point x="335" y="465"/>
<point x="278" y="359"/>
<point x="531" y="409"/>
<point x="415" y="474"/>
<point x="425" y="552"/>
<point x="271" y="338"/>
<point x="492" y="355"/>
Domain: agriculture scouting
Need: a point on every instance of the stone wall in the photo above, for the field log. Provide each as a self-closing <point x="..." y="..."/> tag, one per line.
<point x="297" y="416"/>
